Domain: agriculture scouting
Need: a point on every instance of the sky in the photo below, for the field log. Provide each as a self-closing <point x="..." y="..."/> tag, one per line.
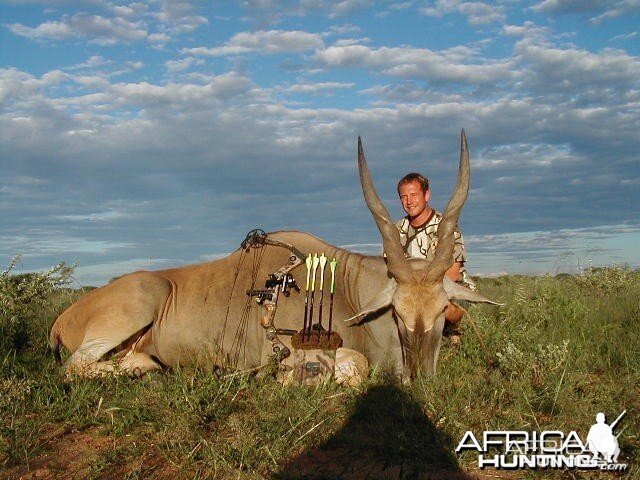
<point x="147" y="135"/>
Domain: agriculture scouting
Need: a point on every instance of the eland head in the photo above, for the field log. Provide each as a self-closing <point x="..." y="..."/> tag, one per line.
<point x="418" y="290"/>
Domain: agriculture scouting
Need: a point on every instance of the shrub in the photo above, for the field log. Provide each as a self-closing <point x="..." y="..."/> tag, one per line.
<point x="23" y="299"/>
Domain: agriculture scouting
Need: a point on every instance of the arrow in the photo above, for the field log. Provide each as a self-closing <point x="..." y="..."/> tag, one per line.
<point x="308" y="262"/>
<point x="314" y="268"/>
<point x="323" y="262"/>
<point x="332" y="267"/>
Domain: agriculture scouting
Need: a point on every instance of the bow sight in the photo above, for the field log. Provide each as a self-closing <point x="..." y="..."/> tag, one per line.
<point x="283" y="282"/>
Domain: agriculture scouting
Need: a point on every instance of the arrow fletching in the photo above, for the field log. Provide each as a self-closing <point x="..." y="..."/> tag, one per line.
<point x="314" y="268"/>
<point x="323" y="261"/>
<point x="332" y="266"/>
<point x="308" y="262"/>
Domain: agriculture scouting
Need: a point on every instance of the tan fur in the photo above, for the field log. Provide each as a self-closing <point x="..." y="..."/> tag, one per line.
<point x="185" y="310"/>
<point x="198" y="315"/>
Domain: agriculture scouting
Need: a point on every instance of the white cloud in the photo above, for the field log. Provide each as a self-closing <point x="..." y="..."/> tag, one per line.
<point x="106" y="216"/>
<point x="518" y="155"/>
<point x="558" y="69"/>
<point x="347" y="7"/>
<point x="601" y="9"/>
<point x="16" y="84"/>
<point x="40" y="242"/>
<point x="448" y="65"/>
<point x="571" y="6"/>
<point x="98" y="29"/>
<point x="94" y="61"/>
<point x="217" y="51"/>
<point x="174" y="66"/>
<point x="158" y="22"/>
<point x="344" y="29"/>
<point x="273" y="12"/>
<point x="317" y="87"/>
<point x="150" y="96"/>
<point x="625" y="36"/>
<point x="477" y="13"/>
<point x="178" y="16"/>
<point x="344" y="42"/>
<point x="546" y="240"/>
<point x="527" y="30"/>
<point x="401" y="5"/>
<point x="264" y="42"/>
<point x="159" y="38"/>
<point x="100" y="272"/>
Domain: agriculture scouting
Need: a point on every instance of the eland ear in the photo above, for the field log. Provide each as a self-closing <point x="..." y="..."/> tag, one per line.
<point x="455" y="291"/>
<point x="381" y="300"/>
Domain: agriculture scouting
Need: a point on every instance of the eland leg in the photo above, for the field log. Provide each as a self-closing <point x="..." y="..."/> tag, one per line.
<point x="114" y="317"/>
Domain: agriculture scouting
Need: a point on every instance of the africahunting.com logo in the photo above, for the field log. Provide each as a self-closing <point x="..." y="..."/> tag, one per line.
<point x="506" y="449"/>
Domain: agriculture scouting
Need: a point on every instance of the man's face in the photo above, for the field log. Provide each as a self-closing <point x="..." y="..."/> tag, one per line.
<point x="414" y="200"/>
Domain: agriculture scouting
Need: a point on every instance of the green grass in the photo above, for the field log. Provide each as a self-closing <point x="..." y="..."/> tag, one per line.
<point x="560" y="350"/>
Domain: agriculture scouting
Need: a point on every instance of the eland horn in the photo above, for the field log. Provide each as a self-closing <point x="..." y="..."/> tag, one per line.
<point x="443" y="256"/>
<point x="396" y="261"/>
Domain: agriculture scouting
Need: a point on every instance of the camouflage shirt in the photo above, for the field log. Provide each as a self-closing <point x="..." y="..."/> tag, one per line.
<point x="422" y="241"/>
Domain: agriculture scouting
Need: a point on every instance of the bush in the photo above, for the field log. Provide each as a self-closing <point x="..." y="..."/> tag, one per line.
<point x="23" y="298"/>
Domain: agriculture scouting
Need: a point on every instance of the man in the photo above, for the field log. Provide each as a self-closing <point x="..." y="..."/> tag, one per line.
<point x="419" y="236"/>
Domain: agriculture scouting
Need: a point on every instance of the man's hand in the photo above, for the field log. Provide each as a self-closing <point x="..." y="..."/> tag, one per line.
<point x="454" y="272"/>
<point x="453" y="313"/>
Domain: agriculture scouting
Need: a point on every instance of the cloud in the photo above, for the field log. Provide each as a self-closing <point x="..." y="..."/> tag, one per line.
<point x="344" y="29"/>
<point x="571" y="6"/>
<point x="174" y="66"/>
<point x="94" y="61"/>
<point x="41" y="242"/>
<point x="159" y="38"/>
<point x="96" y="28"/>
<point x="25" y="91"/>
<point x="444" y="66"/>
<point x="567" y="69"/>
<point x="477" y="13"/>
<point x="528" y="30"/>
<point x="603" y="9"/>
<point x="347" y="7"/>
<point x="178" y="16"/>
<point x="264" y="42"/>
<point x="410" y="91"/>
<point x="517" y="155"/>
<point x="101" y="272"/>
<point x="106" y="216"/>
<point x="317" y="87"/>
<point x="158" y="22"/>
<point x="626" y="36"/>
<point x="146" y="95"/>
<point x="266" y="12"/>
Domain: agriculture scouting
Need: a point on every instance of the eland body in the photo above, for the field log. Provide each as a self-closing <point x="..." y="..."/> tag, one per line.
<point x="200" y="314"/>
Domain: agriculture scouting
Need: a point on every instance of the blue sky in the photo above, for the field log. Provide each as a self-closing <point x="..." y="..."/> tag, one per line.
<point x="153" y="134"/>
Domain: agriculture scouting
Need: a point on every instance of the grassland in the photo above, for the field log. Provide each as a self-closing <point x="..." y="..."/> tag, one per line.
<point x="560" y="350"/>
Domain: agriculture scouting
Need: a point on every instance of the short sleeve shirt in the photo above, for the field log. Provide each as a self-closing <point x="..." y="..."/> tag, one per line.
<point x="422" y="241"/>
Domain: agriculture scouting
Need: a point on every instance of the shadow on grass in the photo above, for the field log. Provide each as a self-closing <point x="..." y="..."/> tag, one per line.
<point x="387" y="436"/>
